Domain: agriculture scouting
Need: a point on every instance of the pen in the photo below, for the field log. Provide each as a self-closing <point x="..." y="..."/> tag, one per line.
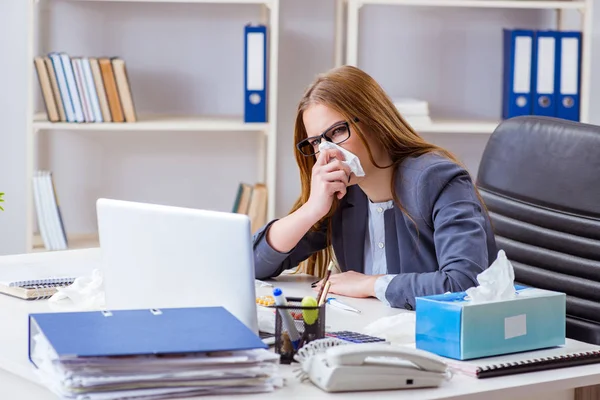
<point x="327" y="275"/>
<point x="332" y="301"/>
<point x="286" y="317"/>
<point x="324" y="295"/>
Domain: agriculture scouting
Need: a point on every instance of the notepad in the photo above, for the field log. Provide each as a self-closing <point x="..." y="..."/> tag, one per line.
<point x="36" y="289"/>
<point x="573" y="353"/>
<point x="36" y="281"/>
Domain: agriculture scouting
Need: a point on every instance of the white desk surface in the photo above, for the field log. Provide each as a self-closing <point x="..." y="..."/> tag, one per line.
<point x="18" y="381"/>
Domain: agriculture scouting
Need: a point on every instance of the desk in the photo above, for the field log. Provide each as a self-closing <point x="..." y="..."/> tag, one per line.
<point x="18" y="381"/>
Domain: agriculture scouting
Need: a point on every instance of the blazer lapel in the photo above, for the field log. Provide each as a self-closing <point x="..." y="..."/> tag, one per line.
<point x="354" y="229"/>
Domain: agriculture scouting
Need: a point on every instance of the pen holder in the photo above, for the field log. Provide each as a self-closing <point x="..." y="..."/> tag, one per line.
<point x="308" y="322"/>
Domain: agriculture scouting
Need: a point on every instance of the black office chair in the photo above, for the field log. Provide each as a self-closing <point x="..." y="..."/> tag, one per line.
<point x="540" y="179"/>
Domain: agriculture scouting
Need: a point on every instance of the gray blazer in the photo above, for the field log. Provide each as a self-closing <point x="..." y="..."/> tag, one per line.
<point x="448" y="244"/>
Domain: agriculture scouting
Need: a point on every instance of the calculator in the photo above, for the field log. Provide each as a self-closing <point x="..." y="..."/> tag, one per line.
<point x="355" y="337"/>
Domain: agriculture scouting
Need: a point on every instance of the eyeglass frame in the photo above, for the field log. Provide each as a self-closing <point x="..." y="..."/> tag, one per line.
<point x="323" y="137"/>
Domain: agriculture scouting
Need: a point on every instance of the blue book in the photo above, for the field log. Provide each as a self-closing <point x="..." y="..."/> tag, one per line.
<point x="61" y="79"/>
<point x="141" y="332"/>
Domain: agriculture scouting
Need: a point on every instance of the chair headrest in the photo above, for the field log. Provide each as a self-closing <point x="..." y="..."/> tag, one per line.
<point x="549" y="162"/>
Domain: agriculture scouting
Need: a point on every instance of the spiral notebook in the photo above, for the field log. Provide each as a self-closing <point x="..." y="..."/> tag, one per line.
<point x="36" y="289"/>
<point x="36" y="280"/>
<point x="573" y="353"/>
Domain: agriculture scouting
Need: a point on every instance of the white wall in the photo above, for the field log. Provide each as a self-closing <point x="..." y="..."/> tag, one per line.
<point x="184" y="58"/>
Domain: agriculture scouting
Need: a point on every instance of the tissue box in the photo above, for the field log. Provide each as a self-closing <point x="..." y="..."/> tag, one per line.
<point x="450" y="326"/>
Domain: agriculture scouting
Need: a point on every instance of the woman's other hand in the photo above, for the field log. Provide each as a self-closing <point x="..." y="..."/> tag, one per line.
<point x="329" y="178"/>
<point x="351" y="284"/>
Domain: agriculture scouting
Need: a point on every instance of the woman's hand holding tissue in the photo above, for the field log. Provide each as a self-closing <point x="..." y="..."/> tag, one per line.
<point x="329" y="178"/>
<point x="351" y="284"/>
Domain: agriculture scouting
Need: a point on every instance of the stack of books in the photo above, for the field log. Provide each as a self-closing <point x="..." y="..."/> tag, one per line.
<point x="150" y="354"/>
<point x="415" y="112"/>
<point x="49" y="217"/>
<point x="85" y="89"/>
<point x="252" y="201"/>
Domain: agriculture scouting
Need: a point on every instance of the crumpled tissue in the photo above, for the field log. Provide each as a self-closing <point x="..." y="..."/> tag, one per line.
<point x="396" y="329"/>
<point x="85" y="293"/>
<point x="495" y="283"/>
<point x="351" y="160"/>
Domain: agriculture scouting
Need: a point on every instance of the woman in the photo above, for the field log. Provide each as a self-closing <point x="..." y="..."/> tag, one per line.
<point x="413" y="225"/>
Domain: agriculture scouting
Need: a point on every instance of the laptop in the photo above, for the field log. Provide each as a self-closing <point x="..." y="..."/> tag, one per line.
<point x="157" y="256"/>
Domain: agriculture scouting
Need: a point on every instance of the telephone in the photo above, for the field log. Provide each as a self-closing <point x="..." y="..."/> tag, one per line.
<point x="376" y="366"/>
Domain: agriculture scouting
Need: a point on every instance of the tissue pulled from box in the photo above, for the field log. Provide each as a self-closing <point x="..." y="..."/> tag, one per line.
<point x="350" y="158"/>
<point x="85" y="293"/>
<point x="495" y="283"/>
<point x="396" y="329"/>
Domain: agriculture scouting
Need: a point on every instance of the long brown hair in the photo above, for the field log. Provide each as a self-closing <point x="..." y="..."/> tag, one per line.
<point x="356" y="95"/>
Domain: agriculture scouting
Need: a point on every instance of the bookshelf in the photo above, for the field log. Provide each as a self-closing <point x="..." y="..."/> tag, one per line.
<point x="38" y="123"/>
<point x="347" y="44"/>
<point x="158" y="123"/>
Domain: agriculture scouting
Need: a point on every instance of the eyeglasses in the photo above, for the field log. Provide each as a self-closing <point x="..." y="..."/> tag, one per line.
<point x="337" y="133"/>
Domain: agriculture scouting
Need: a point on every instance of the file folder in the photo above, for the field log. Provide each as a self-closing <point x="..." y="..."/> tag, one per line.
<point x="255" y="73"/>
<point x="568" y="75"/>
<point x="518" y="50"/>
<point x="142" y="332"/>
<point x="543" y="74"/>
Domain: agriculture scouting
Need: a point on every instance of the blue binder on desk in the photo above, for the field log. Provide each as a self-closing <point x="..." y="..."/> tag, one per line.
<point x="518" y="51"/>
<point x="141" y="332"/>
<point x="255" y="73"/>
<point x="568" y="75"/>
<point x="543" y="74"/>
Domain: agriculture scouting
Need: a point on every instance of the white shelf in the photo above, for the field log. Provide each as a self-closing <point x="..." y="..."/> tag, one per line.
<point x="264" y="2"/>
<point x="157" y="123"/>
<point x="457" y="126"/>
<point x="266" y="151"/>
<point x="347" y="36"/>
<point x="76" y="241"/>
<point x="535" y="4"/>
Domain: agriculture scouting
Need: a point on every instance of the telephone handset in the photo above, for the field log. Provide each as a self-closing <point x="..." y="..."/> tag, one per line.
<point x="376" y="366"/>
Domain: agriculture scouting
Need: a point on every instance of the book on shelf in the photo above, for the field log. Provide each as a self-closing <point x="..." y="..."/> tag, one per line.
<point x="49" y="217"/>
<point x="414" y="111"/>
<point x="85" y="89"/>
<point x="252" y="201"/>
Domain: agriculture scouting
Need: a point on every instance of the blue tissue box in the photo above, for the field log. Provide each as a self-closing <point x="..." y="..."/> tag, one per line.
<point x="450" y="326"/>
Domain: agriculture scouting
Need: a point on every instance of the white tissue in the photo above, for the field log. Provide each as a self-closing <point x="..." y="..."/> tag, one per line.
<point x="350" y="158"/>
<point x="495" y="283"/>
<point x="85" y="293"/>
<point x="396" y="329"/>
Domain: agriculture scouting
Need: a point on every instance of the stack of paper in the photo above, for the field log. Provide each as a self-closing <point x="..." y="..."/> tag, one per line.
<point x="157" y="377"/>
<point x="415" y="112"/>
<point x="149" y="354"/>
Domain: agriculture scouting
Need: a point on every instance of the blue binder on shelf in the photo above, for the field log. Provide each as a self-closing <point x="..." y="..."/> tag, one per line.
<point x="255" y="73"/>
<point x="518" y="51"/>
<point x="544" y="73"/>
<point x="568" y="75"/>
<point x="141" y="332"/>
